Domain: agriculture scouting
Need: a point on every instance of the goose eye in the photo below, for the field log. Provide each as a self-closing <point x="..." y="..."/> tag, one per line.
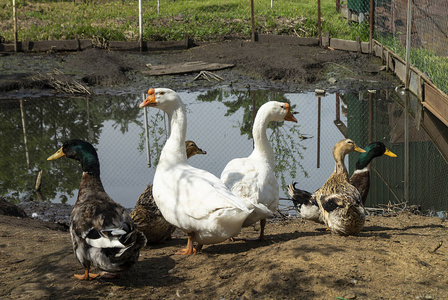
<point x="282" y="106"/>
<point x="161" y="93"/>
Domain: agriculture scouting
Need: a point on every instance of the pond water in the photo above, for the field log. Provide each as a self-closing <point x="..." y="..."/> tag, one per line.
<point x="220" y="122"/>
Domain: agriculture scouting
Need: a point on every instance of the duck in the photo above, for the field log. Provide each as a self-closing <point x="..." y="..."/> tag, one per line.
<point x="339" y="202"/>
<point x="360" y="179"/>
<point x="192" y="199"/>
<point x="146" y="215"/>
<point x="102" y="232"/>
<point x="253" y="177"/>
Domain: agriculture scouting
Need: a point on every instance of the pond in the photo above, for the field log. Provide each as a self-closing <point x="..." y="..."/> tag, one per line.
<point x="220" y="122"/>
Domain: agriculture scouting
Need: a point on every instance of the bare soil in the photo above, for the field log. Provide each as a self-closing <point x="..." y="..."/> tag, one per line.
<point x="392" y="258"/>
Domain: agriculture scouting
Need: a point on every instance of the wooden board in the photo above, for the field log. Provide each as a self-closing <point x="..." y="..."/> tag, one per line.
<point x="437" y="102"/>
<point x="188" y="67"/>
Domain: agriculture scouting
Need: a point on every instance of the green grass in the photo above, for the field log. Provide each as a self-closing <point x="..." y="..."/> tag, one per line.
<point x="202" y="20"/>
<point x="434" y="66"/>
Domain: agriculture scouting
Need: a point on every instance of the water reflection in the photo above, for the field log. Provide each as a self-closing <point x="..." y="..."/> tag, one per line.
<point x="220" y="122"/>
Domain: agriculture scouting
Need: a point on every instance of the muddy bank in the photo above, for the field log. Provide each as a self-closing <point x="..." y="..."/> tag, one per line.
<point x="289" y="68"/>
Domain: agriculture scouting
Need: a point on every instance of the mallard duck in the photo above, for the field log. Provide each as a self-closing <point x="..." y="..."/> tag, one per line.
<point x="360" y="179"/>
<point x="361" y="176"/>
<point x="192" y="199"/>
<point x="340" y="202"/>
<point x="253" y="177"/>
<point x="102" y="232"/>
<point x="146" y="215"/>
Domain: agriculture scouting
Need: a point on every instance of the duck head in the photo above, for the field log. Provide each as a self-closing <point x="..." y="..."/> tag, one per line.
<point x="373" y="150"/>
<point x="81" y="151"/>
<point x="344" y="147"/>
<point x="193" y="149"/>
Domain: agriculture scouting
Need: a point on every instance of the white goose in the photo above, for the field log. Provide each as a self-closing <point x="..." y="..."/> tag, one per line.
<point x="253" y="177"/>
<point x="192" y="199"/>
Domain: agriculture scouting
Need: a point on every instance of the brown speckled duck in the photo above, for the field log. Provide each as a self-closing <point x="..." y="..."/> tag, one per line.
<point x="102" y="232"/>
<point x="339" y="201"/>
<point x="147" y="216"/>
<point x="360" y="179"/>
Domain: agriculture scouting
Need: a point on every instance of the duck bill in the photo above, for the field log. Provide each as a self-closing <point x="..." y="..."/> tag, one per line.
<point x="390" y="153"/>
<point x="200" y="151"/>
<point x="289" y="115"/>
<point x="150" y="101"/>
<point x="359" y="149"/>
<point x="57" y="155"/>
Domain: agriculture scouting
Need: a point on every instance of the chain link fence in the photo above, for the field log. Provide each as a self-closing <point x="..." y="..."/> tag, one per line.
<point x="428" y="34"/>
<point x="220" y="122"/>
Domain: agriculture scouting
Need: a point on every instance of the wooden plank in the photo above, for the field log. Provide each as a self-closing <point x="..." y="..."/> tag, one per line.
<point x="181" y="68"/>
<point x="437" y="131"/>
<point x="436" y="102"/>
<point x="286" y="39"/>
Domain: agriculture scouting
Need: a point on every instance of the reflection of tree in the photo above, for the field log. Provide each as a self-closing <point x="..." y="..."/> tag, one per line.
<point x="284" y="141"/>
<point x="49" y="122"/>
<point x="158" y="134"/>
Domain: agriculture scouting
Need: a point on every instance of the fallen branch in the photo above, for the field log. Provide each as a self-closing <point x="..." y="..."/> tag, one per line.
<point x="208" y="75"/>
<point x="63" y="83"/>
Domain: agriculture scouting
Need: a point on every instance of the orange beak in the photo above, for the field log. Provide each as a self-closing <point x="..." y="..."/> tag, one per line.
<point x="289" y="116"/>
<point x="150" y="101"/>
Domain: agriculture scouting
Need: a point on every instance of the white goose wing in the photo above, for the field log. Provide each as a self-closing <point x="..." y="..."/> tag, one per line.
<point x="199" y="193"/>
<point x="252" y="180"/>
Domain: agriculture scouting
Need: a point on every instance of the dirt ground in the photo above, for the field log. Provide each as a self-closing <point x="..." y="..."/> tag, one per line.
<point x="392" y="258"/>
<point x="395" y="257"/>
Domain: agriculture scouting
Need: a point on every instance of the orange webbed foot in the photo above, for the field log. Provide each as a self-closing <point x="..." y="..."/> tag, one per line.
<point x="86" y="276"/>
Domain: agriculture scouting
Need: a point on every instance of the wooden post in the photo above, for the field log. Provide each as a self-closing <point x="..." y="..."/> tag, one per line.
<point x="25" y="139"/>
<point x="319" y="24"/>
<point x="14" y="13"/>
<point x="252" y="16"/>
<point x="408" y="43"/>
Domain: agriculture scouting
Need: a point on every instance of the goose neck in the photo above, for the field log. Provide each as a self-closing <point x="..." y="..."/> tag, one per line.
<point x="261" y="142"/>
<point x="174" y="150"/>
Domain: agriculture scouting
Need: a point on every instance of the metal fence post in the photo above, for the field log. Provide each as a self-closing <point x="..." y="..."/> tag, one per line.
<point x="408" y="43"/>
<point x="140" y="24"/>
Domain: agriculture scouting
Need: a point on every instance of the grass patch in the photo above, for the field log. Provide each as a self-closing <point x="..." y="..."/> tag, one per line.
<point x="202" y="20"/>
<point x="435" y="67"/>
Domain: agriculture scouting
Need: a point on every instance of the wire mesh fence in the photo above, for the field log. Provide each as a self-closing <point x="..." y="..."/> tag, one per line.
<point x="428" y="28"/>
<point x="220" y="122"/>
